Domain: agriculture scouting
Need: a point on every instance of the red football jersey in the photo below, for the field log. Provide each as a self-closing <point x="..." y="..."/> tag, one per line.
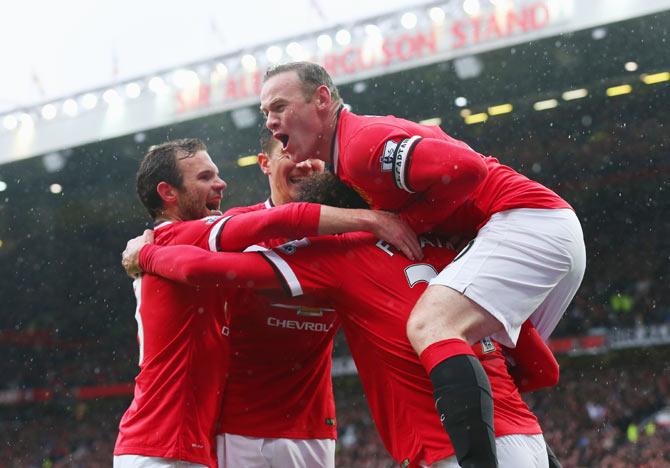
<point x="182" y="332"/>
<point x="280" y="382"/>
<point x="279" y="385"/>
<point x="183" y="361"/>
<point x="374" y="289"/>
<point x="384" y="159"/>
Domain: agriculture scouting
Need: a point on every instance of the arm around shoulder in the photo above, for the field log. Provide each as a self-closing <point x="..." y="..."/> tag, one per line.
<point x="198" y="267"/>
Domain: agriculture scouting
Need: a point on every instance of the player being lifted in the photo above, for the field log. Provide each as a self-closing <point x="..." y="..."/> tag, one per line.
<point x="527" y="258"/>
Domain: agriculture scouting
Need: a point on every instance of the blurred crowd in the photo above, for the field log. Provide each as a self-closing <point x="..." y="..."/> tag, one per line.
<point x="609" y="411"/>
<point x="604" y="415"/>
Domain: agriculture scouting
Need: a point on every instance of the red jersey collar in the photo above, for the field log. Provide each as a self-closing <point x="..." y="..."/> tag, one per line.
<point x="162" y="223"/>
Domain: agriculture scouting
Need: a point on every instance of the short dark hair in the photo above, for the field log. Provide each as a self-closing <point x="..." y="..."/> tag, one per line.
<point x="328" y="189"/>
<point x="160" y="165"/>
<point x="268" y="142"/>
<point x="311" y="75"/>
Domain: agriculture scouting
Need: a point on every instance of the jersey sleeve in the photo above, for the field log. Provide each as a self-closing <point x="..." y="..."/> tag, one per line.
<point x="445" y="173"/>
<point x="442" y="172"/>
<point x="293" y="267"/>
<point x="293" y="220"/>
<point x="534" y="365"/>
<point x="197" y="267"/>
<point x="309" y="266"/>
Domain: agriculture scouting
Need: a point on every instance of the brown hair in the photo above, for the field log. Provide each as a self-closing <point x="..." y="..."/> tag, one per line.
<point x="160" y="165"/>
<point x="311" y="75"/>
<point x="328" y="189"/>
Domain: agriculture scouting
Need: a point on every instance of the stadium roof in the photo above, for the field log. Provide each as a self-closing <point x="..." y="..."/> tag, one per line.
<point x="61" y="48"/>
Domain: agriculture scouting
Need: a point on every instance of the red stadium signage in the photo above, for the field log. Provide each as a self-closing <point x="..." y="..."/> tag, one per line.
<point x="396" y="49"/>
<point x="458" y="35"/>
<point x="29" y="395"/>
<point x="401" y="49"/>
<point x="494" y="26"/>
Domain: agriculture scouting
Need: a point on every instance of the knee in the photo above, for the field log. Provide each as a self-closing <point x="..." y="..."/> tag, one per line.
<point x="415" y="328"/>
<point x="421" y="324"/>
<point x="435" y="318"/>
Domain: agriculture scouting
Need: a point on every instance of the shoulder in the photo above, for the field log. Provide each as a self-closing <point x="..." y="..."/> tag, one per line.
<point x="245" y="209"/>
<point x="187" y="232"/>
<point x="369" y="140"/>
<point x="325" y="249"/>
<point x="371" y="131"/>
<point x="371" y="146"/>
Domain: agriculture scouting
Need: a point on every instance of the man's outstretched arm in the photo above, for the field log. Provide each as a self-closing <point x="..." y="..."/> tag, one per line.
<point x="198" y="267"/>
<point x="297" y="220"/>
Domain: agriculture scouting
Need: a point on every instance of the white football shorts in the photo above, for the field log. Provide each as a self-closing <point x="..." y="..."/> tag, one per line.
<point x="513" y="451"/>
<point x="140" y="461"/>
<point x="523" y="263"/>
<point x="234" y="451"/>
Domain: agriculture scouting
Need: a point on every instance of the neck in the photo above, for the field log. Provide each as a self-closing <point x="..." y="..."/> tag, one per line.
<point x="167" y="215"/>
<point x="277" y="200"/>
<point x="329" y="134"/>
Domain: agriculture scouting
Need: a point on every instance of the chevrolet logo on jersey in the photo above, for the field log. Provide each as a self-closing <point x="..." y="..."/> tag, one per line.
<point x="304" y="310"/>
<point x="299" y="325"/>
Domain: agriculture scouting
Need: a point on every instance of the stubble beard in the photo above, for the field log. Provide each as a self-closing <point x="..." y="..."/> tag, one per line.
<point x="191" y="210"/>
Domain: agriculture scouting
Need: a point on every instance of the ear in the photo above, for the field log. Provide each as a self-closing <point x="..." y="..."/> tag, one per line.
<point x="323" y="97"/>
<point x="167" y="192"/>
<point x="264" y="163"/>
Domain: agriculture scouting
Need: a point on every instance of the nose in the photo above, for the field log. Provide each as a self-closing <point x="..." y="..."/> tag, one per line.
<point x="272" y="121"/>
<point x="220" y="185"/>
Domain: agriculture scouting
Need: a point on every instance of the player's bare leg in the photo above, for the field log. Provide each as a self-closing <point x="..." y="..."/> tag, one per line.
<point x="442" y="327"/>
<point x="442" y="313"/>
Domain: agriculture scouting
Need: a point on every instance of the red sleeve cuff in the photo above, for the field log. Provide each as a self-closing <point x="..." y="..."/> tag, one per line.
<point x="146" y="254"/>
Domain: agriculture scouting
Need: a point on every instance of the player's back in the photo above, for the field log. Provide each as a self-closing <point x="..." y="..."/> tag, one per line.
<point x="376" y="289"/>
<point x="183" y="360"/>
<point x="395" y="382"/>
